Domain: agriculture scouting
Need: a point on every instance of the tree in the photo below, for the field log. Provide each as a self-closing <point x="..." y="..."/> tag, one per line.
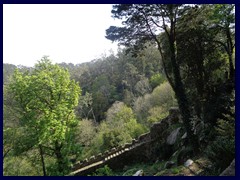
<point x="223" y="20"/>
<point x="85" y="108"/>
<point x="45" y="100"/>
<point x="205" y="61"/>
<point x="143" y="22"/>
<point x="86" y="132"/>
<point x="119" y="128"/>
<point x="8" y="70"/>
<point x="154" y="106"/>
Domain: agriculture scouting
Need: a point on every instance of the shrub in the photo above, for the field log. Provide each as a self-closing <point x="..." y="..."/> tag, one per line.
<point x="163" y="95"/>
<point x="221" y="153"/>
<point x="105" y="171"/>
<point x="119" y="128"/>
<point x="147" y="107"/>
<point x="156" y="80"/>
<point x="86" y="132"/>
<point x="20" y="166"/>
<point x="156" y="114"/>
<point x="175" y="170"/>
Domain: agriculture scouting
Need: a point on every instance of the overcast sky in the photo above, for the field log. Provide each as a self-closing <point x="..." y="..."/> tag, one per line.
<point x="66" y="33"/>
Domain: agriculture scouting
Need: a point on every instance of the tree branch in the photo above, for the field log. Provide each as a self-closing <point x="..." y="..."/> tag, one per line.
<point x="160" y="51"/>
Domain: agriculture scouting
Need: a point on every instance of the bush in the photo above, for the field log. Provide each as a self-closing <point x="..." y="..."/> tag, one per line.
<point x="175" y="170"/>
<point x="141" y="107"/>
<point x="163" y="95"/>
<point x="20" y="166"/>
<point x="119" y="128"/>
<point x="105" y="171"/>
<point x="146" y="107"/>
<point x="156" y="80"/>
<point x="86" y="132"/>
<point x="156" y="114"/>
<point x="221" y="153"/>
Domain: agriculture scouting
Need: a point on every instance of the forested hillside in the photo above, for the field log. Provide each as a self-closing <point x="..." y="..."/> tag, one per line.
<point x="174" y="56"/>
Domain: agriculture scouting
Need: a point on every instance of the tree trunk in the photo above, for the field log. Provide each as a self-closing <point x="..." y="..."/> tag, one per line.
<point x="230" y="52"/>
<point x="183" y="103"/>
<point x="59" y="156"/>
<point x="42" y="160"/>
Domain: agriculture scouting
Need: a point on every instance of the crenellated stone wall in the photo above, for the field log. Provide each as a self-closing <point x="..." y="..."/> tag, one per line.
<point x="145" y="148"/>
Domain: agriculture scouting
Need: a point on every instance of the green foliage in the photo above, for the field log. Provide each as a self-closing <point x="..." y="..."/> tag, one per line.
<point x="86" y="132"/>
<point x="163" y="95"/>
<point x="175" y="170"/>
<point x="156" y="80"/>
<point x="85" y="107"/>
<point x="45" y="99"/>
<point x="142" y="87"/>
<point x="119" y="128"/>
<point x="39" y="102"/>
<point x="226" y="127"/>
<point x="20" y="166"/>
<point x="156" y="114"/>
<point x="153" y="107"/>
<point x="105" y="171"/>
<point x="222" y="151"/>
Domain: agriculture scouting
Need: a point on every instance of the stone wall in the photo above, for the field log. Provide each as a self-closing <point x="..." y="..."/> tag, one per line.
<point x="145" y="148"/>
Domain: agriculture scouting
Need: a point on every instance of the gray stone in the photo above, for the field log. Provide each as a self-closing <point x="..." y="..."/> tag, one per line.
<point x="184" y="136"/>
<point x="113" y="150"/>
<point x="85" y="161"/>
<point x="139" y="173"/>
<point x="134" y="141"/>
<point x="127" y="145"/>
<point x="91" y="158"/>
<point x="99" y="156"/>
<point x="106" y="153"/>
<point x="188" y="163"/>
<point x="171" y="139"/>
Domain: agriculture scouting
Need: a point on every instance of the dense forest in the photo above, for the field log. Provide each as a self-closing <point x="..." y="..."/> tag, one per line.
<point x="174" y="56"/>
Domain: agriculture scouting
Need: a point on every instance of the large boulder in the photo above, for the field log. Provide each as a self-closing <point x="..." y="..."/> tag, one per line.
<point x="171" y="139"/>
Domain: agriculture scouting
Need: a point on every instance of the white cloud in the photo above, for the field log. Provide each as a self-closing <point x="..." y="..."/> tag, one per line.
<point x="67" y="33"/>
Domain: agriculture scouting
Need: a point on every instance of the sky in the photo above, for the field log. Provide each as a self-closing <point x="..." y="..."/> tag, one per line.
<point x="70" y="33"/>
